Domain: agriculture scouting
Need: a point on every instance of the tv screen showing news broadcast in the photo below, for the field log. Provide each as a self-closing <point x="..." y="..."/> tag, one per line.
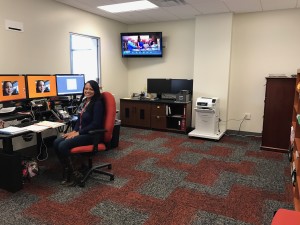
<point x="144" y="44"/>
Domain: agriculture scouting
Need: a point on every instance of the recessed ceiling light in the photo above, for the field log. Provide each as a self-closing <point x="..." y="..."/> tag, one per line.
<point x="128" y="6"/>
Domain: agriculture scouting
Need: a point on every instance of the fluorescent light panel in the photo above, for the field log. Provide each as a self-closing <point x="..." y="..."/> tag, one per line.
<point x="128" y="6"/>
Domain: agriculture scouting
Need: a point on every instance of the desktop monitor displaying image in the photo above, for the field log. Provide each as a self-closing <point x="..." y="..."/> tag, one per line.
<point x="12" y="88"/>
<point x="69" y="84"/>
<point x="41" y="86"/>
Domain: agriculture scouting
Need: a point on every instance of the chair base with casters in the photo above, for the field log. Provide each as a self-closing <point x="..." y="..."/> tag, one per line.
<point x="96" y="169"/>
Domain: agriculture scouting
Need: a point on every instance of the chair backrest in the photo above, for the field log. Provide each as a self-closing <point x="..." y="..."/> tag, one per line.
<point x="109" y="115"/>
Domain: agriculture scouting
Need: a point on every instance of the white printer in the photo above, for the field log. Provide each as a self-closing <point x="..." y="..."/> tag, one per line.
<point x="207" y="104"/>
<point x="207" y="115"/>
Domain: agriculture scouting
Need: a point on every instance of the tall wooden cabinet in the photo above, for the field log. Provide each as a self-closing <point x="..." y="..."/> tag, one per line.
<point x="294" y="150"/>
<point x="278" y="113"/>
<point x="162" y="114"/>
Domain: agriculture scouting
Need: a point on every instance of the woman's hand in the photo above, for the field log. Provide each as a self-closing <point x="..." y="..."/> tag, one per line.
<point x="70" y="135"/>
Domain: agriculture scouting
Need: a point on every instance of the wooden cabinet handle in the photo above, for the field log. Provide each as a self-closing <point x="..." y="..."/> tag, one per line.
<point x="158" y="107"/>
<point x="157" y="117"/>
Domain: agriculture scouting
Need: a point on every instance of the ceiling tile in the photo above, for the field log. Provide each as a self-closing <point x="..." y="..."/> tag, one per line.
<point x="183" y="12"/>
<point x="208" y="6"/>
<point x="278" y="4"/>
<point x="242" y="6"/>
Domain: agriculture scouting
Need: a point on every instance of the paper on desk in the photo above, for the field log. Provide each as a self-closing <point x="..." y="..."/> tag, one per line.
<point x="13" y="130"/>
<point x="50" y="124"/>
<point x="36" y="128"/>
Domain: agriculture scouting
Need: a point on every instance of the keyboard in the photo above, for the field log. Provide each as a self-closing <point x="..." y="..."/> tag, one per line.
<point x="26" y="124"/>
<point x="7" y="110"/>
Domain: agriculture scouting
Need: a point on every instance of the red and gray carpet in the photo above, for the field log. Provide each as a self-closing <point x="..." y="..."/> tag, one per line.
<point x="161" y="178"/>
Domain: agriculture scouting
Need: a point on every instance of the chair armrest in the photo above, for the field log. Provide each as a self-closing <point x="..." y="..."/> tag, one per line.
<point x="97" y="135"/>
<point x="93" y="132"/>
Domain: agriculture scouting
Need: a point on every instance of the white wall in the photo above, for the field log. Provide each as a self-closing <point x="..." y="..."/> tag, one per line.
<point x="212" y="59"/>
<point x="178" y="58"/>
<point x="44" y="46"/>
<point x="262" y="44"/>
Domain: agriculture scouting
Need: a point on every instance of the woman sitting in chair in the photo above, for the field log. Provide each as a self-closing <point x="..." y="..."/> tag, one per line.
<point x="90" y="117"/>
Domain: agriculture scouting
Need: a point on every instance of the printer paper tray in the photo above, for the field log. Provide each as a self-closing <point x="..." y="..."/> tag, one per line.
<point x="205" y="110"/>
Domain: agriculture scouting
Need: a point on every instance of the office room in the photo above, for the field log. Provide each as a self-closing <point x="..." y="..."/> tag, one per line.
<point x="165" y="177"/>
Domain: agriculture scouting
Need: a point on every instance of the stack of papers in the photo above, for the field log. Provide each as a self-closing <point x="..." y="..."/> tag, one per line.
<point x="44" y="125"/>
<point x="50" y="124"/>
<point x="13" y="130"/>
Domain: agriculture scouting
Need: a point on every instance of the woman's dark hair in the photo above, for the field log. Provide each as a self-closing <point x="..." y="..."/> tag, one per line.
<point x="97" y="95"/>
<point x="96" y="88"/>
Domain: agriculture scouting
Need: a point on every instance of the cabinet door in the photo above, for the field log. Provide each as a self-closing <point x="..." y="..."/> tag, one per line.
<point x="279" y="99"/>
<point x="127" y="113"/>
<point x="141" y="114"/>
<point x="158" y="116"/>
<point x="135" y="113"/>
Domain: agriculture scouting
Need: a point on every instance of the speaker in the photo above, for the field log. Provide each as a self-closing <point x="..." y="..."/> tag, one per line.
<point x="11" y="172"/>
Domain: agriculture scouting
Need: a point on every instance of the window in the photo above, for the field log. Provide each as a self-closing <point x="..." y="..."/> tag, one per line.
<point x="85" y="56"/>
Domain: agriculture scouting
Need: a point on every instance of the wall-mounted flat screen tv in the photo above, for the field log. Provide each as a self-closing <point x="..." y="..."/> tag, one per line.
<point x="142" y="44"/>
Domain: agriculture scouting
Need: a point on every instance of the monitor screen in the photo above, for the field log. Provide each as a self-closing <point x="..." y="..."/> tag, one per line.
<point x="143" y="44"/>
<point x="159" y="86"/>
<point x="12" y="87"/>
<point x="181" y="84"/>
<point x="69" y="84"/>
<point x="41" y="86"/>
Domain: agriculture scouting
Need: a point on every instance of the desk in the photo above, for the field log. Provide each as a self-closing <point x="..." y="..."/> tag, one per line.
<point x="14" y="116"/>
<point x="11" y="162"/>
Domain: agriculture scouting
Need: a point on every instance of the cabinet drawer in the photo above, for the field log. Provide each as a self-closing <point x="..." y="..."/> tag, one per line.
<point x="158" y="109"/>
<point x="158" y="122"/>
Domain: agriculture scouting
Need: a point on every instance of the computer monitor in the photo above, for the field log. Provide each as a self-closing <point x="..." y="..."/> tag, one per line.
<point x="41" y="86"/>
<point x="158" y="86"/>
<point x="178" y="85"/>
<point x="13" y="88"/>
<point x="69" y="84"/>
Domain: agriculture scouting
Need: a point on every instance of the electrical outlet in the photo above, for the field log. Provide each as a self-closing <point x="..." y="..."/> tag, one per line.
<point x="247" y="116"/>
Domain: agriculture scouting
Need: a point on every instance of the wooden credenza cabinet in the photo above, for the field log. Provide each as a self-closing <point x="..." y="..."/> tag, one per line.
<point x="137" y="114"/>
<point x="161" y="114"/>
<point x="279" y="98"/>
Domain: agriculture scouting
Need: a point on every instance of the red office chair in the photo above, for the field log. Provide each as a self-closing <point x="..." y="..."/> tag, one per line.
<point x="91" y="150"/>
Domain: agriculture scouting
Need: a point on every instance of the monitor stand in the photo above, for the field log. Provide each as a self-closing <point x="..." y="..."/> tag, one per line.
<point x="158" y="95"/>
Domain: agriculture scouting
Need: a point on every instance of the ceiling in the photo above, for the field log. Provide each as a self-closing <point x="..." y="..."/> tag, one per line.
<point x="172" y="10"/>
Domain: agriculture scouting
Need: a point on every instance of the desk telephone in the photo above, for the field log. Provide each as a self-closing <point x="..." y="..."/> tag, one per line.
<point x="60" y="113"/>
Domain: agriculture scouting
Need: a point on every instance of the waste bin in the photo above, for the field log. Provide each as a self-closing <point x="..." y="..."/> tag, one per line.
<point x="11" y="172"/>
<point x="116" y="133"/>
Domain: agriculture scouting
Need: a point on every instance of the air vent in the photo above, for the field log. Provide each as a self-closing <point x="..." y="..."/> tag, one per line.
<point x="14" y="26"/>
<point x="168" y="3"/>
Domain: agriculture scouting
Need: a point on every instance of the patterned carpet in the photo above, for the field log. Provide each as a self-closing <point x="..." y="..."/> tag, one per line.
<point x="161" y="178"/>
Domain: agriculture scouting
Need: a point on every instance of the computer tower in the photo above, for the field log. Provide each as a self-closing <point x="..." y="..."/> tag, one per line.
<point x="11" y="172"/>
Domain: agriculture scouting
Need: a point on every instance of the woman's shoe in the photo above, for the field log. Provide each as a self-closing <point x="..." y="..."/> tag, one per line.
<point x="66" y="176"/>
<point x="77" y="177"/>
